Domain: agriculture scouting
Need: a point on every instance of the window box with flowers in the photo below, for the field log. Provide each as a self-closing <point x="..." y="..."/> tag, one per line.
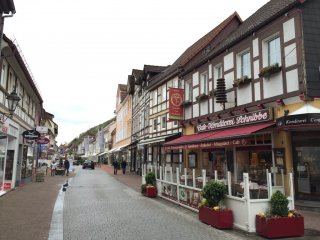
<point x="202" y="96"/>
<point x="186" y="103"/>
<point x="213" y="93"/>
<point x="209" y="210"/>
<point x="241" y="81"/>
<point x="266" y="72"/>
<point x="279" y="221"/>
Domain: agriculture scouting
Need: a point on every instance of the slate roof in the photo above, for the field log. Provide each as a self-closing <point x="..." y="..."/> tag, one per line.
<point x="260" y="18"/>
<point x="190" y="52"/>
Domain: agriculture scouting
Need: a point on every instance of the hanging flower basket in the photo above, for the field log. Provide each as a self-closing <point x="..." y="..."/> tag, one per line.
<point x="241" y="81"/>
<point x="202" y="96"/>
<point x="270" y="70"/>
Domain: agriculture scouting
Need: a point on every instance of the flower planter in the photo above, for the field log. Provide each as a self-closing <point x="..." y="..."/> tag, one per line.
<point x="151" y="192"/>
<point x="278" y="227"/>
<point x="270" y="70"/>
<point x="219" y="219"/>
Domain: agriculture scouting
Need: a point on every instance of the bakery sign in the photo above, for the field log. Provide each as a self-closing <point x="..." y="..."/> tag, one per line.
<point x="260" y="116"/>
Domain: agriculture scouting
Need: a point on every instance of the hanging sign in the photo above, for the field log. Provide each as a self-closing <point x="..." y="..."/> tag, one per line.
<point x="175" y="104"/>
<point x="31" y="134"/>
<point x="42" y="140"/>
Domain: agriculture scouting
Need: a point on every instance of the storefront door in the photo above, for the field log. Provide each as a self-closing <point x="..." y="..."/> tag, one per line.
<point x="306" y="156"/>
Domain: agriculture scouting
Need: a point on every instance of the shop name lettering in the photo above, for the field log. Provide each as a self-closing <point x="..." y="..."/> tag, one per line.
<point x="234" y="121"/>
<point x="302" y="121"/>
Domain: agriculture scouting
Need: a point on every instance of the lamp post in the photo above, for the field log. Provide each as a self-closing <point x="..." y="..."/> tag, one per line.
<point x="13" y="100"/>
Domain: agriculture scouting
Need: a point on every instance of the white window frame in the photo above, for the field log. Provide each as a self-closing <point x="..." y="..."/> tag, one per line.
<point x="274" y="51"/>
<point x="188" y="90"/>
<point x="163" y="122"/>
<point x="155" y="123"/>
<point x="164" y="93"/>
<point x="245" y="64"/>
<point x="204" y="83"/>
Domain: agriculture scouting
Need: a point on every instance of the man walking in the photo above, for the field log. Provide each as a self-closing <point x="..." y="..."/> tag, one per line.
<point x="66" y="166"/>
<point x="115" y="166"/>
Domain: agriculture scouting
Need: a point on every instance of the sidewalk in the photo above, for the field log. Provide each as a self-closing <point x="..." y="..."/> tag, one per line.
<point x="26" y="212"/>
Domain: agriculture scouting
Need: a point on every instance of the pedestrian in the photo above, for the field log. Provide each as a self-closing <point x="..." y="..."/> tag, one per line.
<point x="124" y="166"/>
<point x="115" y="167"/>
<point x="66" y="166"/>
<point x="53" y="169"/>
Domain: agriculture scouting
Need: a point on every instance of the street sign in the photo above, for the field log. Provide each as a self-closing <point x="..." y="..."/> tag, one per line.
<point x="31" y="134"/>
<point x="42" y="140"/>
<point x="42" y="129"/>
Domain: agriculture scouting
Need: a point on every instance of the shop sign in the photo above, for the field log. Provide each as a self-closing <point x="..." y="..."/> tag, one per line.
<point x="176" y="96"/>
<point x="4" y="128"/>
<point x="42" y="140"/>
<point x="204" y="145"/>
<point x="42" y="129"/>
<point x="6" y="185"/>
<point x="299" y="120"/>
<point x="239" y="120"/>
<point x="31" y="134"/>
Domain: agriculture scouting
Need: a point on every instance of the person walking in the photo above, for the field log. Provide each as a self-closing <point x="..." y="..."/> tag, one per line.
<point x="66" y="166"/>
<point x="124" y="166"/>
<point x="115" y="166"/>
<point x="53" y="169"/>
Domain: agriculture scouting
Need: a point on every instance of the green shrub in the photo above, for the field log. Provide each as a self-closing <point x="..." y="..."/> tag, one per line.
<point x="279" y="204"/>
<point x="143" y="188"/>
<point x="150" y="178"/>
<point x="214" y="192"/>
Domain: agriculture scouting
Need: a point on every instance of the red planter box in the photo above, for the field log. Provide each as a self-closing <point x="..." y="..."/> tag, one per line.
<point x="218" y="219"/>
<point x="151" y="191"/>
<point x="279" y="227"/>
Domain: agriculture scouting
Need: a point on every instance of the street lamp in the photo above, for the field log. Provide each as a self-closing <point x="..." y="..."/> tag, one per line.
<point x="13" y="100"/>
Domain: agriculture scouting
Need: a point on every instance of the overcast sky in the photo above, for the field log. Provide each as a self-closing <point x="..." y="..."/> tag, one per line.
<point x="80" y="50"/>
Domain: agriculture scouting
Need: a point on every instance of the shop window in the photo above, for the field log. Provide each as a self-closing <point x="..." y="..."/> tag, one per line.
<point x="255" y="163"/>
<point x="192" y="160"/>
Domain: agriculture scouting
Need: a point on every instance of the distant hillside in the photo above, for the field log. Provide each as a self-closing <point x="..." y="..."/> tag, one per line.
<point x="92" y="132"/>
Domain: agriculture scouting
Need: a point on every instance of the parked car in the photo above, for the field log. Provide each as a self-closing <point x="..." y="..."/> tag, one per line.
<point x="76" y="162"/>
<point x="88" y="164"/>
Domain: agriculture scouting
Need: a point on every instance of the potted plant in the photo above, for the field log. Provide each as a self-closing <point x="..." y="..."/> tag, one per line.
<point x="279" y="222"/>
<point x="210" y="212"/>
<point x="241" y="81"/>
<point x="270" y="70"/>
<point x="149" y="188"/>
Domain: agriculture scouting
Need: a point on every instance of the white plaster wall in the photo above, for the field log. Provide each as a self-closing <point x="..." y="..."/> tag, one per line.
<point x="273" y="86"/>
<point x="203" y="108"/>
<point x="210" y="105"/>
<point x="256" y="69"/>
<point x="195" y="93"/>
<point x="292" y="80"/>
<point x="289" y="30"/>
<point x="229" y="80"/>
<point x="187" y="112"/>
<point x="228" y="61"/>
<point x="290" y="55"/>
<point x="244" y="94"/>
<point x="195" y="110"/>
<point x="230" y="100"/>
<point x="195" y="78"/>
<point x="257" y="94"/>
<point x="217" y="106"/>
<point x="255" y="47"/>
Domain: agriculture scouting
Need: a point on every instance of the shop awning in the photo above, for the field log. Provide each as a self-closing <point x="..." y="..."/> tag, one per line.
<point x="102" y="153"/>
<point x="214" y="138"/>
<point x="239" y="132"/>
<point x="189" y="138"/>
